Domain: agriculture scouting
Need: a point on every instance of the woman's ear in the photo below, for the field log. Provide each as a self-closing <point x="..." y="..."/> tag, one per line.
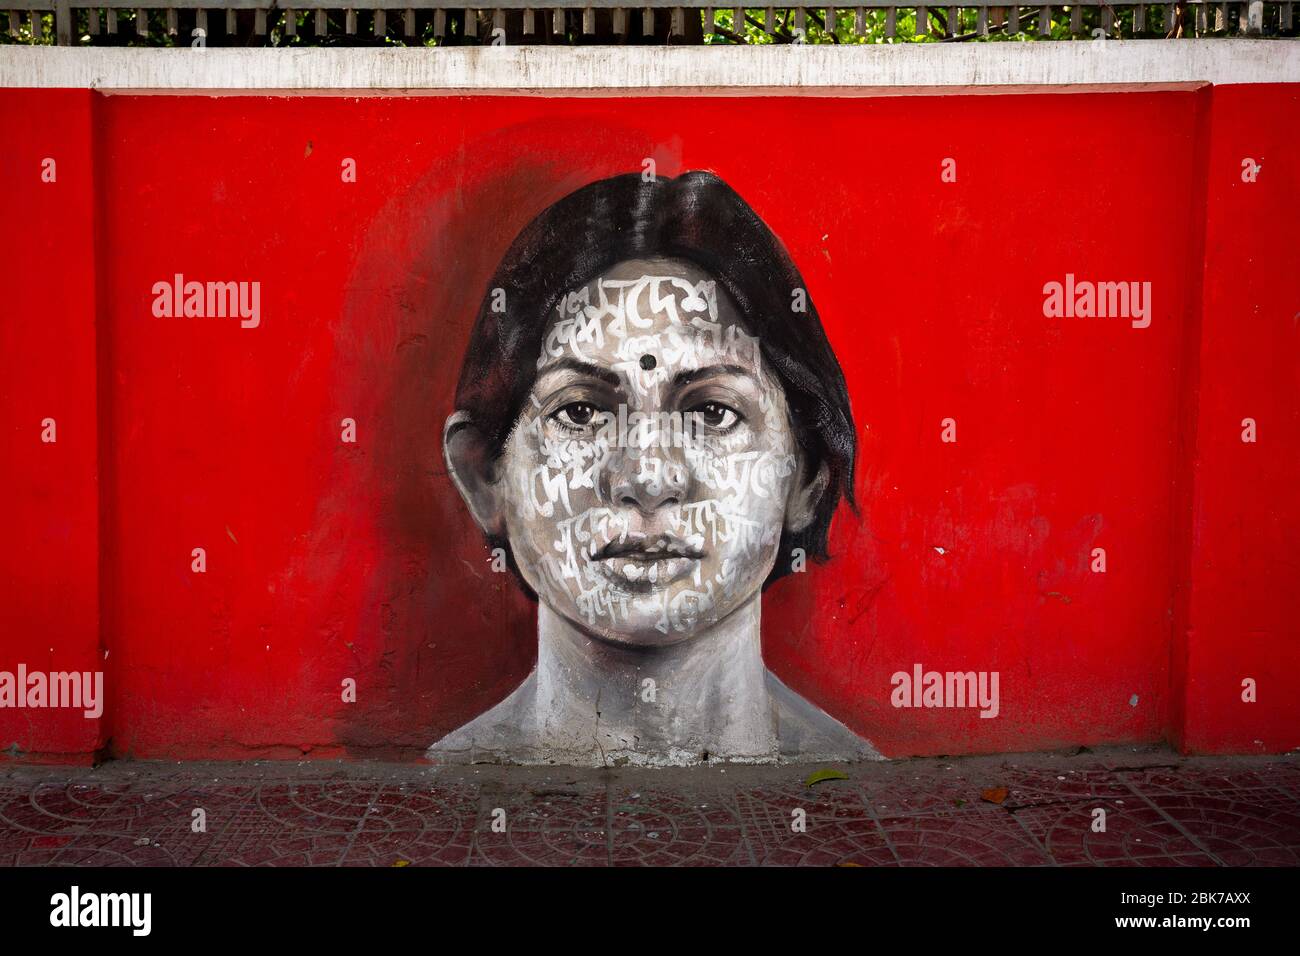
<point x="805" y="495"/>
<point x="470" y="465"/>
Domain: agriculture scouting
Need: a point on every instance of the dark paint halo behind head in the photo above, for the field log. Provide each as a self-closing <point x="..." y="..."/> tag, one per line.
<point x="696" y="217"/>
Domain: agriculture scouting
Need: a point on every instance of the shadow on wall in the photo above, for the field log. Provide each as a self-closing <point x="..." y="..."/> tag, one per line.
<point x="442" y="636"/>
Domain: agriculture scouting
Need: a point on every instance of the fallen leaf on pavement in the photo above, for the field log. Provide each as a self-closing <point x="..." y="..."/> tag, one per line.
<point x="817" y="776"/>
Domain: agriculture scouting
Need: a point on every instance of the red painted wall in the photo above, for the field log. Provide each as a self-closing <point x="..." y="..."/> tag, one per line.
<point x="1244" y="563"/>
<point x="49" y="561"/>
<point x="329" y="560"/>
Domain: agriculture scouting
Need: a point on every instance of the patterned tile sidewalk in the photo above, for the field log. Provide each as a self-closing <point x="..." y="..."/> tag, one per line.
<point x="1160" y="810"/>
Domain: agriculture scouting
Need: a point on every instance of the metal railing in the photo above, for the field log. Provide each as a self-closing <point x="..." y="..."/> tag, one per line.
<point x="435" y="23"/>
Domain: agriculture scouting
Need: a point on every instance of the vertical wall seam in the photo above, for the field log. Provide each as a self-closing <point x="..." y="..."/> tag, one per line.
<point x="106" y="476"/>
<point x="1187" y="443"/>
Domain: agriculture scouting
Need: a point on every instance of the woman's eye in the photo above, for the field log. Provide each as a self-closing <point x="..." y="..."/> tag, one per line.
<point x="715" y="415"/>
<point x="576" y="414"/>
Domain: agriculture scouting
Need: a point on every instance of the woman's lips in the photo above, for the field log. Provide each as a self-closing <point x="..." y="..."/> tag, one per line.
<point x="642" y="573"/>
<point x="646" y="564"/>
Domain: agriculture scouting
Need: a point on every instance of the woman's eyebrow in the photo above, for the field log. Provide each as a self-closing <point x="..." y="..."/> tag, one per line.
<point x="606" y="375"/>
<point x="687" y="376"/>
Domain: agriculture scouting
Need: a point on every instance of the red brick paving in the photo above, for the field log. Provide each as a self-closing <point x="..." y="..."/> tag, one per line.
<point x="1161" y="810"/>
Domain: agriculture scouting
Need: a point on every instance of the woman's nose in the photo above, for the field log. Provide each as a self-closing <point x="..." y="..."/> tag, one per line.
<point x="647" y="481"/>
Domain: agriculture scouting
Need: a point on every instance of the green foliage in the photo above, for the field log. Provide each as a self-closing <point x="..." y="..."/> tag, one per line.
<point x="753" y="31"/>
<point x="843" y="30"/>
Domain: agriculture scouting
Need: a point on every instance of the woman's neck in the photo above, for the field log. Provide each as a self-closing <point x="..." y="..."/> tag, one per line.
<point x="705" y="694"/>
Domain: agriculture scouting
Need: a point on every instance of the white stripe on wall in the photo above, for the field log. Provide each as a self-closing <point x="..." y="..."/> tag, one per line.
<point x="604" y="70"/>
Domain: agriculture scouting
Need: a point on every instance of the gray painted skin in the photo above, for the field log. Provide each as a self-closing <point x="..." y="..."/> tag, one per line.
<point x="660" y="662"/>
<point x="584" y="705"/>
<point x="509" y="734"/>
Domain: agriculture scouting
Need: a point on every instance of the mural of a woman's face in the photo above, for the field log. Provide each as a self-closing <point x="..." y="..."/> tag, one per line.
<point x="653" y="467"/>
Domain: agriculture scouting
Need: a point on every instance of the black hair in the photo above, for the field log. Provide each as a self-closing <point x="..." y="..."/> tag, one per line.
<point x="694" y="217"/>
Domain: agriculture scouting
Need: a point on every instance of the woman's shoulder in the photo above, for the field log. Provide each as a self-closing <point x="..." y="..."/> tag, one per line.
<point x="498" y="735"/>
<point x="508" y="733"/>
<point x="806" y="733"/>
